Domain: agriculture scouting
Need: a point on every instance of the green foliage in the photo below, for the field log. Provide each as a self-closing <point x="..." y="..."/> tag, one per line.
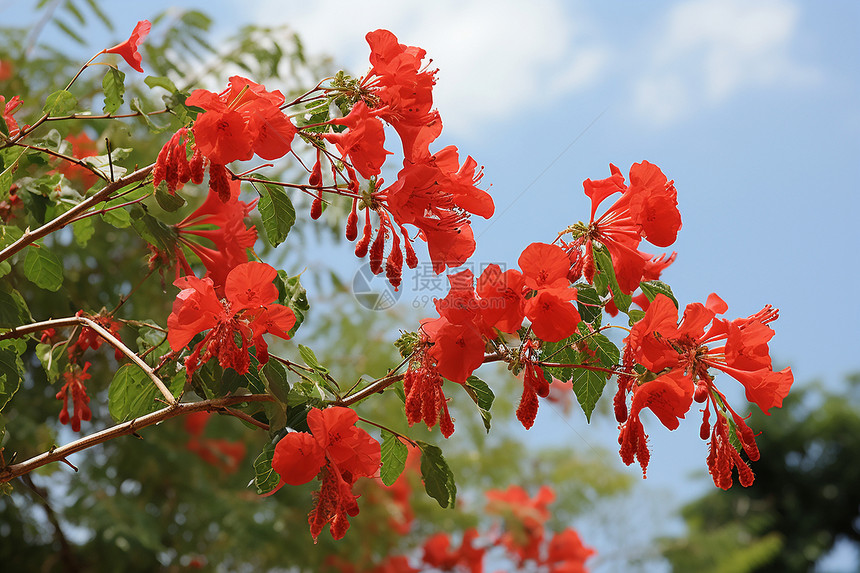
<point x="438" y="477"/>
<point x="43" y="268"/>
<point x="803" y="499"/>
<point x="394" y="453"/>
<point x="113" y="85"/>
<point x="277" y="212"/>
<point x="132" y="394"/>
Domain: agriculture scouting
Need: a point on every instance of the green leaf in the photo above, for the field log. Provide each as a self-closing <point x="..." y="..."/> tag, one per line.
<point x="438" y="477"/>
<point x="132" y="394"/>
<point x="4" y="129"/>
<point x="266" y="479"/>
<point x="13" y="309"/>
<point x="276" y="380"/>
<point x="603" y="350"/>
<point x="118" y="218"/>
<point x="604" y="266"/>
<point x="60" y="103"/>
<point x="291" y="293"/>
<point x="311" y="359"/>
<point x="53" y="359"/>
<point x="394" y="453"/>
<point x="10" y="374"/>
<point x="161" y="82"/>
<point x="634" y="316"/>
<point x="43" y="268"/>
<point x="153" y="231"/>
<point x="83" y="230"/>
<point x="170" y="202"/>
<point x="588" y="386"/>
<point x="277" y="212"/>
<point x="589" y="305"/>
<point x="561" y="352"/>
<point x="653" y="288"/>
<point x="483" y="397"/>
<point x="114" y="87"/>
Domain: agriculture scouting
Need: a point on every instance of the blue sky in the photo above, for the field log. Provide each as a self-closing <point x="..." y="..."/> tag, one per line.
<point x="751" y="107"/>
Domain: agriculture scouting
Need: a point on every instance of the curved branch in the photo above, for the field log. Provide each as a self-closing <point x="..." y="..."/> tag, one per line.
<point x="101" y="331"/>
<point x="62" y="220"/>
<point x="58" y="454"/>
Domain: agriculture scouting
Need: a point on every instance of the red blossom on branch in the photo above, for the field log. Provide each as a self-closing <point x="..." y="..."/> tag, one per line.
<point x="246" y="313"/>
<point x="75" y="388"/>
<point x="339" y="453"/>
<point x="683" y="353"/>
<point x="128" y="49"/>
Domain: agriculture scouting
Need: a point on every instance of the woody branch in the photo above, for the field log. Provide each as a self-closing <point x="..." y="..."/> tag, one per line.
<point x="101" y="331"/>
<point x="58" y="454"/>
<point x="64" y="219"/>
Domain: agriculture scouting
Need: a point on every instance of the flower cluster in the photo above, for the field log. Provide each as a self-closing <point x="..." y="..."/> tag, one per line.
<point x="246" y="312"/>
<point x="75" y="388"/>
<point x="243" y="120"/>
<point x="682" y="354"/>
<point x="647" y="209"/>
<point x="433" y="192"/>
<point x="337" y="452"/>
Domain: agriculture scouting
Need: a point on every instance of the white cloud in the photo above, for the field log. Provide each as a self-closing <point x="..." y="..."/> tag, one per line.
<point x="495" y="57"/>
<point x="709" y="50"/>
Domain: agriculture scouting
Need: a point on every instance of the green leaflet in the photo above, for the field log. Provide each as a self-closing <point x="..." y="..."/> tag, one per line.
<point x="266" y="479"/>
<point x="438" y="477"/>
<point x="43" y="268"/>
<point x="394" y="453"/>
<point x="132" y="394"/>
<point x="588" y="386"/>
<point x="113" y="85"/>
<point x="60" y="103"/>
<point x="483" y="397"/>
<point x="277" y="212"/>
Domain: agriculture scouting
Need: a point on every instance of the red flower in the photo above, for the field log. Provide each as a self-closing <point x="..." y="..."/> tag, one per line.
<point x="502" y="298"/>
<point x="82" y="146"/>
<point x="128" y="49"/>
<point x="242" y="120"/>
<point x="75" y="387"/>
<point x="9" y="109"/>
<point x="684" y="353"/>
<point x="222" y="223"/>
<point x="363" y="142"/>
<point x="337" y="451"/>
<point x="457" y="348"/>
<point x="405" y="92"/>
<point x="247" y="312"/>
<point x="646" y="209"/>
<point x="438" y="196"/>
<point x="524" y="518"/>
<point x="567" y="554"/>
<point x="439" y="554"/>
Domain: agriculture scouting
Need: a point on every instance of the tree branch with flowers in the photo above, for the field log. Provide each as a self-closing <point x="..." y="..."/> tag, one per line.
<point x="546" y="321"/>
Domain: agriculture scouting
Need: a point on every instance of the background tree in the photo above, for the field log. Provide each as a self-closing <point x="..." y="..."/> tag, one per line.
<point x="804" y="500"/>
